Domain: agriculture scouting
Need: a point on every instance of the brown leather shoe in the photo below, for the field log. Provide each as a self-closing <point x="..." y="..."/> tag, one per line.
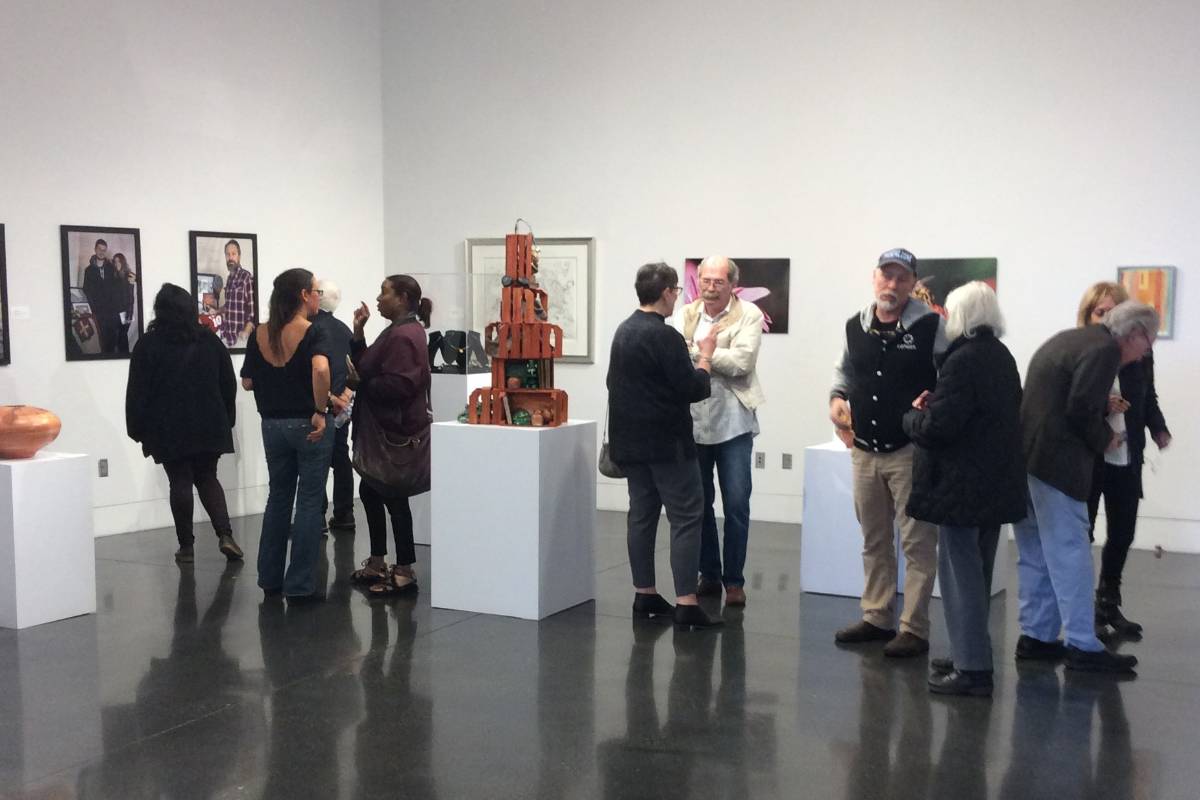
<point x="707" y="587"/>
<point x="906" y="645"/>
<point x="735" y="596"/>
<point x="863" y="631"/>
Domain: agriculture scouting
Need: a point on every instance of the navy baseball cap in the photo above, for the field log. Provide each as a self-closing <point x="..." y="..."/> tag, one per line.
<point x="900" y="257"/>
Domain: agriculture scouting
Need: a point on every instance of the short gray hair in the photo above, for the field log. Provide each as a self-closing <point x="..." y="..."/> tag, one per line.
<point x="711" y="260"/>
<point x="1129" y="316"/>
<point x="971" y="307"/>
<point x="331" y="295"/>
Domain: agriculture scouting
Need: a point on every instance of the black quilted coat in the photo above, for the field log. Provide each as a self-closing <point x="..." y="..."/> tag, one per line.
<point x="968" y="470"/>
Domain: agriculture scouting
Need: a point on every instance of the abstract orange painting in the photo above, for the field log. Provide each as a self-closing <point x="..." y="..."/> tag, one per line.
<point x="1154" y="286"/>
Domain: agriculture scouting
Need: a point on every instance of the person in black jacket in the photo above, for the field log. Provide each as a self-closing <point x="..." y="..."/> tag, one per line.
<point x="180" y="404"/>
<point x="967" y="477"/>
<point x="1133" y="405"/>
<point x="337" y="336"/>
<point x="651" y="383"/>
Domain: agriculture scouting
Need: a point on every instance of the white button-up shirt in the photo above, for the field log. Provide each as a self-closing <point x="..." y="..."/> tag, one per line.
<point x="722" y="416"/>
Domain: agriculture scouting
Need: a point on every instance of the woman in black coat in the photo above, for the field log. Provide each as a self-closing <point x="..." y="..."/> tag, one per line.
<point x="179" y="404"/>
<point x="1118" y="475"/>
<point x="968" y="477"/>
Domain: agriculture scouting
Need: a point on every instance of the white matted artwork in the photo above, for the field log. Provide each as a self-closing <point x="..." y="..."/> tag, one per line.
<point x="566" y="272"/>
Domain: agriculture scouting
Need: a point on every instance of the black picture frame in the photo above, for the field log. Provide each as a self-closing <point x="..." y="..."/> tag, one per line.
<point x="5" y="342"/>
<point x="206" y="250"/>
<point x="107" y="326"/>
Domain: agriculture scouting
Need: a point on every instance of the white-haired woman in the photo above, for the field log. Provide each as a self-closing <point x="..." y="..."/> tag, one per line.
<point x="968" y="477"/>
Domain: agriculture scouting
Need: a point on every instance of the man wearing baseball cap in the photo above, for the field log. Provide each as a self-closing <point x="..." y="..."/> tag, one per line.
<point x="887" y="362"/>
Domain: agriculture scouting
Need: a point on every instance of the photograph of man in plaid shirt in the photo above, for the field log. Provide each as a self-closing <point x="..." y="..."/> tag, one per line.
<point x="238" y="313"/>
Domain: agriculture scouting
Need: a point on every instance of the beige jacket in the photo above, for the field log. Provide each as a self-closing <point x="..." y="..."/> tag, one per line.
<point x="738" y="340"/>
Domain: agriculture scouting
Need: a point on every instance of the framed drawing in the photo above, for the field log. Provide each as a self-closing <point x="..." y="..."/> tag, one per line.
<point x="102" y="291"/>
<point x="225" y="283"/>
<point x="762" y="281"/>
<point x="567" y="273"/>
<point x="5" y="353"/>
<point x="1154" y="286"/>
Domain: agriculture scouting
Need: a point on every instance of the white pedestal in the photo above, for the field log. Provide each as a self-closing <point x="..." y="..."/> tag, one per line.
<point x="47" y="548"/>
<point x="448" y="396"/>
<point x="514" y="513"/>
<point x="831" y="539"/>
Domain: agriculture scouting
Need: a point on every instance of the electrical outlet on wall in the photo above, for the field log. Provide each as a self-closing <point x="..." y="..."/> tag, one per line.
<point x="760" y="460"/>
<point x="103" y="466"/>
<point x="787" y="461"/>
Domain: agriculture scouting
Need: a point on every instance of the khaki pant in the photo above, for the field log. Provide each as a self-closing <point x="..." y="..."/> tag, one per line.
<point x="882" y="483"/>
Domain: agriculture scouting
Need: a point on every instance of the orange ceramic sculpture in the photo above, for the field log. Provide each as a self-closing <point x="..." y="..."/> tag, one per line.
<point x="24" y="430"/>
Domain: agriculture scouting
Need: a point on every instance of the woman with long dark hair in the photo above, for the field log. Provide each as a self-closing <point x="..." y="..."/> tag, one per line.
<point x="179" y="404"/>
<point x="129" y="279"/>
<point x="287" y="368"/>
<point x="394" y="389"/>
<point x="1132" y="408"/>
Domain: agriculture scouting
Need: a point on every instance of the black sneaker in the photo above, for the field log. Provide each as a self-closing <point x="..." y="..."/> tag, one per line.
<point x="1031" y="649"/>
<point x="863" y="631"/>
<point x="941" y="666"/>
<point x="1099" y="661"/>
<point x="974" y="684"/>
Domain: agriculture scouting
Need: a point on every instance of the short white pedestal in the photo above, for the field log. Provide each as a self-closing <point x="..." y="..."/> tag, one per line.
<point x="46" y="519"/>
<point x="448" y="396"/>
<point x="514" y="515"/>
<point x="831" y="539"/>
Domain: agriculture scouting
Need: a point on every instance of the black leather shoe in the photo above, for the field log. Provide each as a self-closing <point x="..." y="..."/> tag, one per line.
<point x="975" y="684"/>
<point x="1099" y="661"/>
<point x="185" y="555"/>
<point x="941" y="666"/>
<point x="1031" y="649"/>
<point x="906" y="645"/>
<point x="650" y="605"/>
<point x="230" y="548"/>
<point x="863" y="631"/>
<point x="1109" y="614"/>
<point x="707" y="587"/>
<point x="693" y="617"/>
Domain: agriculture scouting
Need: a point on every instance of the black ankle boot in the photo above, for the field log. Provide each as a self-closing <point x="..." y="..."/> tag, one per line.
<point x="1108" y="610"/>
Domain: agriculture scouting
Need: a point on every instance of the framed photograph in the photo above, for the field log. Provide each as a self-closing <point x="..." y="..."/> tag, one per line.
<point x="762" y="281"/>
<point x="102" y="291"/>
<point x="567" y="273"/>
<point x="1154" y="286"/>
<point x="5" y="354"/>
<point x="938" y="277"/>
<point x="225" y="283"/>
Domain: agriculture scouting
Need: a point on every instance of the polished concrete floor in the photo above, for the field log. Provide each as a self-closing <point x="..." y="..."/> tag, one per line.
<point x="188" y="684"/>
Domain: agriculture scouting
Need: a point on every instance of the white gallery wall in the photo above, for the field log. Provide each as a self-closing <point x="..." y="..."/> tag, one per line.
<point x="1059" y="138"/>
<point x="258" y="116"/>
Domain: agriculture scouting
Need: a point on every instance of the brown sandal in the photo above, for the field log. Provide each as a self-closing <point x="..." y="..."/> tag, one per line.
<point x="369" y="574"/>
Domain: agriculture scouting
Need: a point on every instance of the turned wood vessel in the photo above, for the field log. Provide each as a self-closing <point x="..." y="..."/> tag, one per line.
<point x="24" y="430"/>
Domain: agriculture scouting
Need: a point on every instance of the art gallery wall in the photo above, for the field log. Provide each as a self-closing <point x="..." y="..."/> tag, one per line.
<point x="258" y="116"/>
<point x="1058" y="138"/>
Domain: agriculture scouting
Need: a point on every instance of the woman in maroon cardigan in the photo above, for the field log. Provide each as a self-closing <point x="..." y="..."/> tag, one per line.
<point x="394" y="383"/>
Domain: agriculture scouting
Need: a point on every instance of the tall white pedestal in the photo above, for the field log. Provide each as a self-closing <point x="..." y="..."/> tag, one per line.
<point x="448" y="395"/>
<point x="831" y="539"/>
<point x="47" y="547"/>
<point x="514" y="514"/>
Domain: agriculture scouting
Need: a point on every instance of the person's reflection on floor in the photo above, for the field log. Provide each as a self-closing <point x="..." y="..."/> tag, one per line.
<point x="961" y="772"/>
<point x="1045" y="753"/>
<point x="1116" y="772"/>
<point x="888" y="693"/>
<point x="746" y="742"/>
<point x="393" y="744"/>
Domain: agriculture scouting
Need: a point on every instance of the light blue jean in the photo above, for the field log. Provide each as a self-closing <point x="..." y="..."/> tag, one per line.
<point x="1054" y="569"/>
<point x="296" y="470"/>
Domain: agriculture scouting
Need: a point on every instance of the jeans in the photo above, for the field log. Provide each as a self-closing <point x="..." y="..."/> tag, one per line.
<point x="296" y="468"/>
<point x="732" y="462"/>
<point x="965" y="560"/>
<point x="652" y="486"/>
<point x="1054" y="568"/>
<point x="200" y="471"/>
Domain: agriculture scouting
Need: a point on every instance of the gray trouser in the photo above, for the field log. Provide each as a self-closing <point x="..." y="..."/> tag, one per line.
<point x="675" y="485"/>
<point x="965" y="560"/>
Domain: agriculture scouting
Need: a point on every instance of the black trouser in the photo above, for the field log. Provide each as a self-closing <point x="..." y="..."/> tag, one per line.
<point x="1122" y="490"/>
<point x="343" y="477"/>
<point x="199" y="471"/>
<point x="675" y="485"/>
<point x="402" y="524"/>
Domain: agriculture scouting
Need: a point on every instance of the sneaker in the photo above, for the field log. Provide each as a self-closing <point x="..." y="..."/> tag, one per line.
<point x="906" y="645"/>
<point x="707" y="587"/>
<point x="863" y="631"/>
<point x="942" y="666"/>
<point x="956" y="682"/>
<point x="1099" y="661"/>
<point x="1031" y="649"/>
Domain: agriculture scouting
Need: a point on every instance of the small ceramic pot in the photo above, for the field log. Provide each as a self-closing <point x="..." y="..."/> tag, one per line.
<point x="24" y="430"/>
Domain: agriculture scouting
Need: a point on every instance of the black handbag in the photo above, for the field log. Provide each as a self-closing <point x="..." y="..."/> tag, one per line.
<point x="394" y="466"/>
<point x="608" y="467"/>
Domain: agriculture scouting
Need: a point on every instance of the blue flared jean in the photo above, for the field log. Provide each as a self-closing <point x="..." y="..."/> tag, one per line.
<point x="296" y="471"/>
<point x="732" y="462"/>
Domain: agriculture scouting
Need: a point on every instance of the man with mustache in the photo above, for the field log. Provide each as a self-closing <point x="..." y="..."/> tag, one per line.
<point x="237" y="318"/>
<point x="888" y="360"/>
